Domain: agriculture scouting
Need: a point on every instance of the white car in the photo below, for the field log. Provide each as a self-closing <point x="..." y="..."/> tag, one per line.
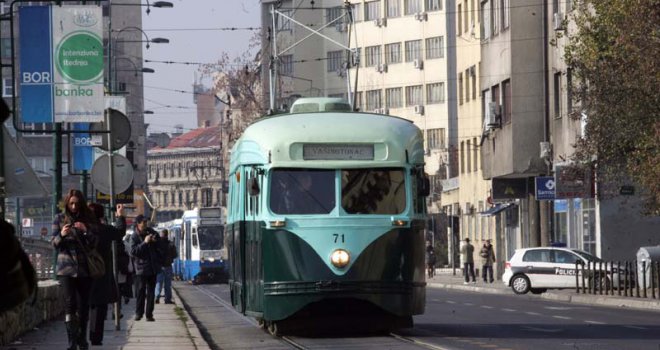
<point x="538" y="269"/>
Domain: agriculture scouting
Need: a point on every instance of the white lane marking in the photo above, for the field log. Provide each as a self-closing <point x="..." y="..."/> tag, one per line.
<point x="533" y="313"/>
<point x="468" y="304"/>
<point x="486" y="307"/>
<point x="562" y="317"/>
<point x="594" y="322"/>
<point x="450" y="302"/>
<point x="435" y="299"/>
<point x="558" y="308"/>
<point x="509" y="310"/>
<point x="636" y="327"/>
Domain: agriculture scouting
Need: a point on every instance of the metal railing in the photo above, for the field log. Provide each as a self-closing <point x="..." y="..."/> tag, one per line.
<point x="41" y="253"/>
<point x="621" y="278"/>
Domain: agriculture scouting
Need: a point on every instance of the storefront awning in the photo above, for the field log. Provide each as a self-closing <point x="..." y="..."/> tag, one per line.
<point x="495" y="209"/>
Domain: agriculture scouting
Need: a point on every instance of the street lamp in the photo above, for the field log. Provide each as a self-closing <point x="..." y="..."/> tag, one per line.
<point x="135" y="69"/>
<point x="158" y="4"/>
<point x="147" y="40"/>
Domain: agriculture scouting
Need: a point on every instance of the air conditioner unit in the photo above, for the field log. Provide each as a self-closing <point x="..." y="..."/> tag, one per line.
<point x="382" y="22"/>
<point x="341" y="27"/>
<point x="419" y="109"/>
<point x="384" y="111"/>
<point x="546" y="150"/>
<point x="418" y="64"/>
<point x="421" y="16"/>
<point x="494" y="108"/>
<point x="492" y="115"/>
<point x="340" y="72"/>
<point x="557" y="20"/>
<point x="382" y="68"/>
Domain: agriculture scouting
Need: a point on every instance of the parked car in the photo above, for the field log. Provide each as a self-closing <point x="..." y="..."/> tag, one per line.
<point x="541" y="268"/>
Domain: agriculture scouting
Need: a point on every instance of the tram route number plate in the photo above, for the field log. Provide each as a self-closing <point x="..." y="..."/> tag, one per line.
<point x="318" y="151"/>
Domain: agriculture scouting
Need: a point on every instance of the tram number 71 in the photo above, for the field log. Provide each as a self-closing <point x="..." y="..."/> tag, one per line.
<point x="339" y="238"/>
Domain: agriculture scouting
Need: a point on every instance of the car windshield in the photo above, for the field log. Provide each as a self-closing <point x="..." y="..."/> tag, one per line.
<point x="587" y="256"/>
<point x="373" y="191"/>
<point x="302" y="191"/>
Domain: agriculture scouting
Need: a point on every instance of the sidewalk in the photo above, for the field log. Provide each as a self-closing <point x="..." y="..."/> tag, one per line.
<point x="445" y="279"/>
<point x="173" y="329"/>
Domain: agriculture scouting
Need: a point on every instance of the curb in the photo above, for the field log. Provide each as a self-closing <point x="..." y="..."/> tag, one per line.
<point x="632" y="303"/>
<point x="195" y="335"/>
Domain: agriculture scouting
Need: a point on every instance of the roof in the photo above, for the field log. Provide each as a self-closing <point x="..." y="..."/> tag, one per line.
<point x="197" y="138"/>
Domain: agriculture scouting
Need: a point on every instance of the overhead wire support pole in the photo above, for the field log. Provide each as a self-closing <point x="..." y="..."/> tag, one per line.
<point x="273" y="58"/>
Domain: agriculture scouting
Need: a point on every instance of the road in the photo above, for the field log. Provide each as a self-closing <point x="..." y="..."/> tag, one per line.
<point x="453" y="320"/>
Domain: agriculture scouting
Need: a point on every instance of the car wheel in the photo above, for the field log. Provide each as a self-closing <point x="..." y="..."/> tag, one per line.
<point x="538" y="290"/>
<point x="520" y="284"/>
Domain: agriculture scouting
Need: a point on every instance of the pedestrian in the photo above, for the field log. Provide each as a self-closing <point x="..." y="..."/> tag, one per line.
<point x="147" y="259"/>
<point x="104" y="289"/>
<point x="73" y="234"/>
<point x="164" y="278"/>
<point x="488" y="258"/>
<point x="430" y="260"/>
<point x="467" y="257"/>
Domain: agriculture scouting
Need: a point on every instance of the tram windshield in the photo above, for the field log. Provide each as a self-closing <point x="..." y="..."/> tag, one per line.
<point x="302" y="191"/>
<point x="373" y="191"/>
<point x="210" y="237"/>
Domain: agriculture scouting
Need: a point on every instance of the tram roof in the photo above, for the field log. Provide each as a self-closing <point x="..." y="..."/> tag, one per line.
<point x="279" y="139"/>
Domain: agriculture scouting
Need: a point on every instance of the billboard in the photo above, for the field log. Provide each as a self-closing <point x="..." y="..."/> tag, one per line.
<point x="61" y="74"/>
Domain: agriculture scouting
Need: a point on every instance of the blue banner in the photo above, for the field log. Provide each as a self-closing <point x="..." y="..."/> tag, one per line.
<point x="83" y="151"/>
<point x="36" y="73"/>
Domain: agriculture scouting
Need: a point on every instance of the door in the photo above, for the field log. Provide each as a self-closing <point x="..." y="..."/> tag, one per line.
<point x="538" y="267"/>
<point x="565" y="268"/>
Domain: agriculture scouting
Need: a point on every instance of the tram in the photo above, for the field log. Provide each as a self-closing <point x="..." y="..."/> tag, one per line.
<point x="198" y="236"/>
<point x="325" y="219"/>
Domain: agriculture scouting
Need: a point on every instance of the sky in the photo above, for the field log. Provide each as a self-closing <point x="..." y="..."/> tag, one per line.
<point x="189" y="26"/>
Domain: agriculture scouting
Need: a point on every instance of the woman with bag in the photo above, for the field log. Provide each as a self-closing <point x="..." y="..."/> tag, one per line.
<point x="74" y="239"/>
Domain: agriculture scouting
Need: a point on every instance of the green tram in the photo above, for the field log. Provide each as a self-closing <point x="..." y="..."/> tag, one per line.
<point x="326" y="217"/>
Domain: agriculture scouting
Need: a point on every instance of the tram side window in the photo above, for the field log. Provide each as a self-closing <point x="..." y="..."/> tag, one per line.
<point x="302" y="191"/>
<point x="373" y="191"/>
<point x="195" y="243"/>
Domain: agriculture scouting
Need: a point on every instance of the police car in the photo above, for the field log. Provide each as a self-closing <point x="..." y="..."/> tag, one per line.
<point x="538" y="269"/>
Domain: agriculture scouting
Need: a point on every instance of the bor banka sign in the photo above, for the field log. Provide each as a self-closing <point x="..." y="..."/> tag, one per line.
<point x="61" y="60"/>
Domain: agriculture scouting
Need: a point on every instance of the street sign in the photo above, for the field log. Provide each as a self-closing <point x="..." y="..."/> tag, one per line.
<point x="26" y="222"/>
<point x="545" y="188"/>
<point x="123" y="174"/>
<point x="83" y="153"/>
<point x="509" y="188"/>
<point x="572" y="181"/>
<point x="121" y="129"/>
<point x="61" y="68"/>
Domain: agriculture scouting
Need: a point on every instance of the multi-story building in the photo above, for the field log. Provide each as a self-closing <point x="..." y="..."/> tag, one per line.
<point x="187" y="173"/>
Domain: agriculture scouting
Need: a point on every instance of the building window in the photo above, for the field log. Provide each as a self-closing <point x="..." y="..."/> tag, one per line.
<point x="433" y="5"/>
<point x="557" y="95"/>
<point x="466" y="27"/>
<point x="494" y="16"/>
<point x="459" y="13"/>
<point x="506" y="102"/>
<point x="569" y="91"/>
<point x="286" y="65"/>
<point x="435" y="138"/>
<point x="495" y="94"/>
<point x="372" y="56"/>
<point x="333" y="13"/>
<point x="5" y="48"/>
<point x="393" y="97"/>
<point x="462" y="157"/>
<point x="435" y="93"/>
<point x="414" y="95"/>
<point x="393" y="53"/>
<point x="393" y="9"/>
<point x="485" y="111"/>
<point x="504" y="13"/>
<point x="334" y="60"/>
<point x="180" y="198"/>
<point x="357" y="13"/>
<point x="371" y="10"/>
<point x="473" y="75"/>
<point x="373" y="100"/>
<point x="284" y="24"/>
<point x="165" y="199"/>
<point x="434" y="47"/>
<point x="460" y="88"/>
<point x="359" y="102"/>
<point x="412" y="7"/>
<point x="7" y="87"/>
<point x="468" y="163"/>
<point x="413" y="50"/>
<point x="485" y="20"/>
<point x="475" y="153"/>
<point x="467" y="85"/>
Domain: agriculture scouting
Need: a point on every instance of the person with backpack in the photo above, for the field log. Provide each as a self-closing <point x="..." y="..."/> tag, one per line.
<point x="487" y="258"/>
<point x="74" y="234"/>
<point x="164" y="278"/>
<point x="104" y="289"/>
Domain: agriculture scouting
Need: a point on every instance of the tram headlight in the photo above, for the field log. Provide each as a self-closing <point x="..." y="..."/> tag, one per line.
<point x="340" y="258"/>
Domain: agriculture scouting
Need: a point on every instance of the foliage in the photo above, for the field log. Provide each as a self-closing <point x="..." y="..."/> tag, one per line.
<point x="614" y="56"/>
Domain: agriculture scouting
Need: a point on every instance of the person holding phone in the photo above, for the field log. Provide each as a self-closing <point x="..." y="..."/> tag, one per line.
<point x="147" y="256"/>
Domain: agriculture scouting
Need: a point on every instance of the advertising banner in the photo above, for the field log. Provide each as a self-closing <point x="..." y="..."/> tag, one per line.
<point x="545" y="188"/>
<point x="61" y="76"/>
<point x="83" y="152"/>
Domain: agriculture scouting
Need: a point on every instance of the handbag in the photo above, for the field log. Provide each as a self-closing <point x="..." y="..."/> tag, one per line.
<point x="95" y="263"/>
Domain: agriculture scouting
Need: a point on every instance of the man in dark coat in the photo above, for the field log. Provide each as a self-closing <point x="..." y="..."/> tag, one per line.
<point x="147" y="259"/>
<point x="104" y="289"/>
<point x="164" y="278"/>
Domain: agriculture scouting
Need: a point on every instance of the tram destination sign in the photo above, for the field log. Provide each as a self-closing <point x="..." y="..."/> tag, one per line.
<point x="341" y="151"/>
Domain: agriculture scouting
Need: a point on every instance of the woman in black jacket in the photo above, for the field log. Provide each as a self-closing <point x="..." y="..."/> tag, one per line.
<point x="73" y="233"/>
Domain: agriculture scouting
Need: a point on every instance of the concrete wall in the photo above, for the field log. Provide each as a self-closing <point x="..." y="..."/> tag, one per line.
<point x="48" y="306"/>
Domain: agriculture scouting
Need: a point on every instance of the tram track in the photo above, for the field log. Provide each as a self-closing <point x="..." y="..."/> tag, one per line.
<point x="301" y="343"/>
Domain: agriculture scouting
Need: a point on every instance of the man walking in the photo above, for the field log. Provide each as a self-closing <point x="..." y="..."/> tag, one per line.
<point x="164" y="279"/>
<point x="147" y="258"/>
<point x="467" y="257"/>
<point x="488" y="258"/>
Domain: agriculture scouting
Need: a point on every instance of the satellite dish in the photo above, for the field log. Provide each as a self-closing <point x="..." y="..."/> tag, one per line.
<point x="123" y="174"/>
<point x="121" y="129"/>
